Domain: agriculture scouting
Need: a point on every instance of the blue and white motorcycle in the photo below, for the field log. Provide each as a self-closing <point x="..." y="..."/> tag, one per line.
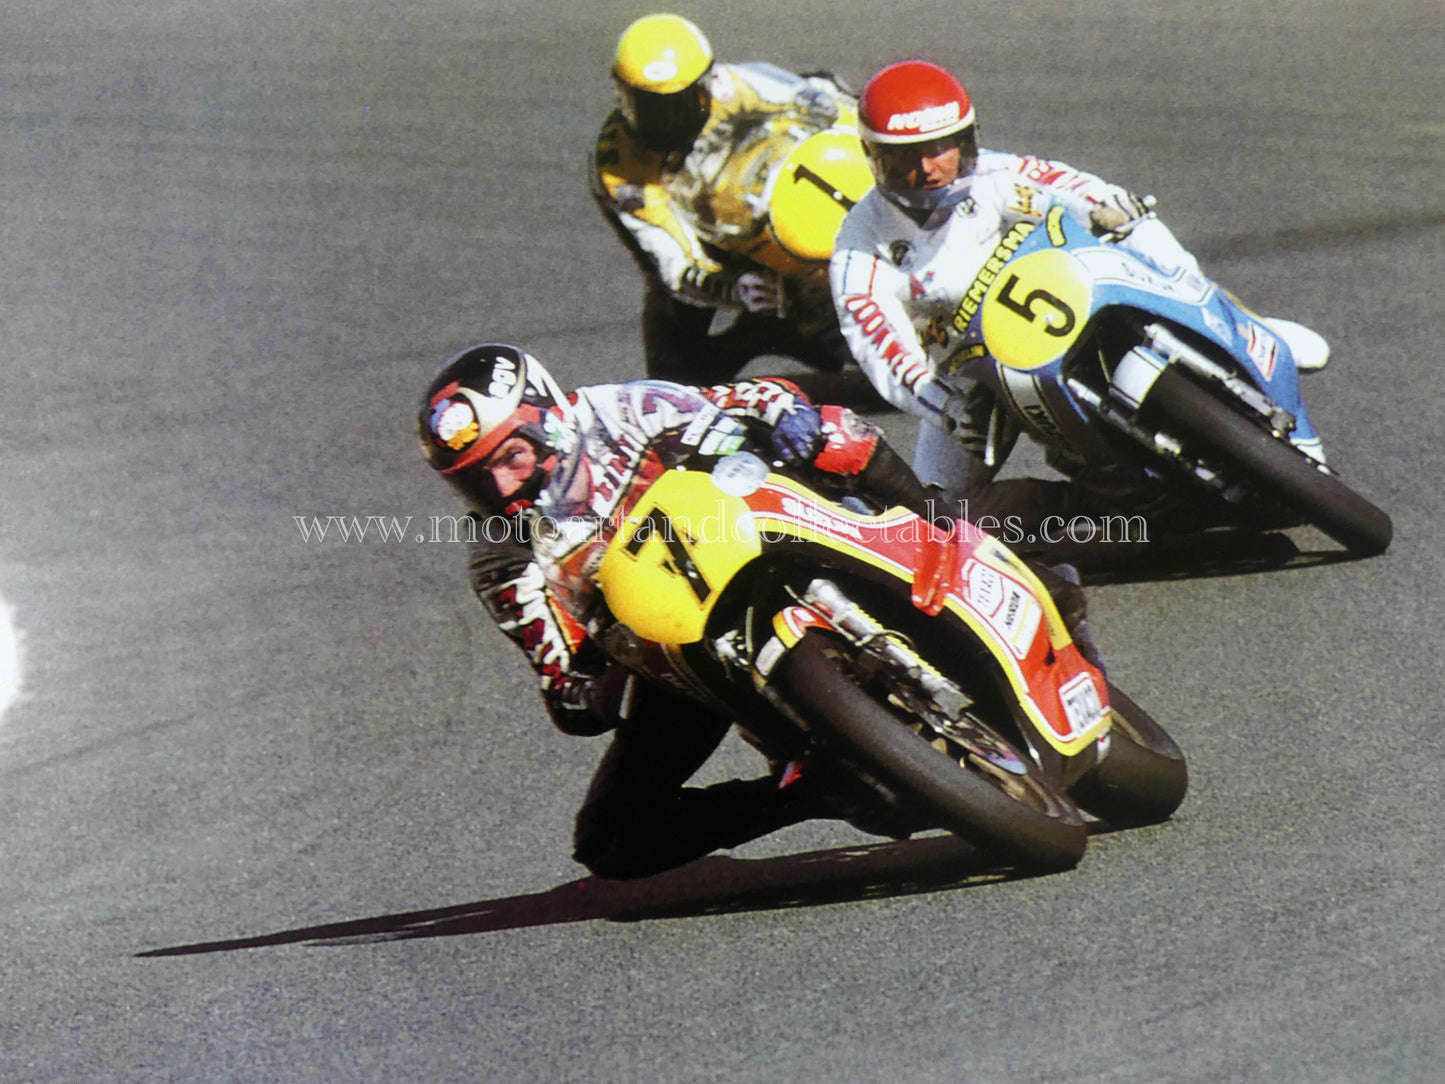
<point x="1164" y="379"/>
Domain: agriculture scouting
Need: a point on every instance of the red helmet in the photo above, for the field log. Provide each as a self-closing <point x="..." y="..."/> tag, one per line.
<point x="908" y="111"/>
<point x="482" y="396"/>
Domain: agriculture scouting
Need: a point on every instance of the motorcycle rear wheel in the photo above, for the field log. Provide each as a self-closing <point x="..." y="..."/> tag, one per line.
<point x="1142" y="778"/>
<point x="1275" y="467"/>
<point x="1040" y="830"/>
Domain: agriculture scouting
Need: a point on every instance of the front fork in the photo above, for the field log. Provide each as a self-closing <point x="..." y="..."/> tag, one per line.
<point x="885" y="654"/>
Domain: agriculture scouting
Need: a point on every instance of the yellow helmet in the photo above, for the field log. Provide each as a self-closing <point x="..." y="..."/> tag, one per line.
<point x="819" y="181"/>
<point x="659" y="74"/>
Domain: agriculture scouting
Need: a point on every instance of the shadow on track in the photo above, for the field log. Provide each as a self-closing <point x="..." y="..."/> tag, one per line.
<point x="1320" y="236"/>
<point x="1191" y="557"/>
<point x="709" y="886"/>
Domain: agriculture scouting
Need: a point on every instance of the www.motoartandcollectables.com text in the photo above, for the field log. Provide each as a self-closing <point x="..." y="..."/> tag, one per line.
<point x="432" y="529"/>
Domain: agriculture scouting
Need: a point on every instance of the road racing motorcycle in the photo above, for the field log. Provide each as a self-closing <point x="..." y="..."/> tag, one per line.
<point x="771" y="191"/>
<point x="1164" y="382"/>
<point x="922" y="674"/>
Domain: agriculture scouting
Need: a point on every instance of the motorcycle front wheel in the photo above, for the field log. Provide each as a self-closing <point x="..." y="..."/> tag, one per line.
<point x="1277" y="469"/>
<point x="1031" y="826"/>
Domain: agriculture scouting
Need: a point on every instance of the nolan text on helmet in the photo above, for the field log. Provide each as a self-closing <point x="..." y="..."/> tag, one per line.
<point x="925" y="120"/>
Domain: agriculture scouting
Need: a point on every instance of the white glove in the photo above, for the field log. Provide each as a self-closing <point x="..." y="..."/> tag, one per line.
<point x="1119" y="213"/>
<point x="761" y="291"/>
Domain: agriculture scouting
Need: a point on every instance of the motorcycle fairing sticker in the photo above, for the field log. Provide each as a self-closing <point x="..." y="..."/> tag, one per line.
<point x="1007" y="607"/>
<point x="1109" y="267"/>
<point x="740" y="474"/>
<point x="1025" y="392"/>
<point x="1082" y="706"/>
<point x="1263" y="349"/>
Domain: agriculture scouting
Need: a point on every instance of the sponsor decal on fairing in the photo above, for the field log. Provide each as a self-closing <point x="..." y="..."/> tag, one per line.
<point x="973" y="296"/>
<point x="1005" y="605"/>
<point x="1082" y="705"/>
<point x="740" y="474"/>
<point x="1263" y="349"/>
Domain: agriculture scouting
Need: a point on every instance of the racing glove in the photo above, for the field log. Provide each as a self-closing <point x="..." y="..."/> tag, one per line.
<point x="761" y="292"/>
<point x="798" y="435"/>
<point x="1129" y="221"/>
<point x="856" y="450"/>
<point x="1118" y="214"/>
<point x="851" y="442"/>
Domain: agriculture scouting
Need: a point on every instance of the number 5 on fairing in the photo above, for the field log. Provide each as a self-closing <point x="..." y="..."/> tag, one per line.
<point x="1027" y="310"/>
<point x="1035" y="310"/>
<point x="1161" y="381"/>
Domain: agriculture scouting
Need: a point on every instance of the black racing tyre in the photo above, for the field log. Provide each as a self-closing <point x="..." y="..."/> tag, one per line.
<point x="1040" y="829"/>
<point x="1276" y="469"/>
<point x="1142" y="778"/>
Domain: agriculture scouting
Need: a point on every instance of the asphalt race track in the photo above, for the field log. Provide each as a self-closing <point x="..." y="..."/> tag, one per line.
<point x="287" y="809"/>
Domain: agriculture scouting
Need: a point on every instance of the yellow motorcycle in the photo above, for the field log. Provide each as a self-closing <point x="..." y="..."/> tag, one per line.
<point x="923" y="673"/>
<point x="774" y="195"/>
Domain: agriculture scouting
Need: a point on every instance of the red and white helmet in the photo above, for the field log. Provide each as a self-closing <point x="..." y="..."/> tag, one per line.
<point x="906" y="110"/>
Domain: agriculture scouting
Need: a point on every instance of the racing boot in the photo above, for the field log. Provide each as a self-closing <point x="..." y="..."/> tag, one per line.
<point x="1311" y="351"/>
<point x="622" y="843"/>
<point x="838" y="795"/>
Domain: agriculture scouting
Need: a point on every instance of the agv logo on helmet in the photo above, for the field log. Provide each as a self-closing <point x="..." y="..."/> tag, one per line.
<point x="504" y="378"/>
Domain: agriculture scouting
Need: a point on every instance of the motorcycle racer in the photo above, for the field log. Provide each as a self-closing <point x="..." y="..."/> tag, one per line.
<point x="497" y="427"/>
<point x="910" y="249"/>
<point x="675" y="171"/>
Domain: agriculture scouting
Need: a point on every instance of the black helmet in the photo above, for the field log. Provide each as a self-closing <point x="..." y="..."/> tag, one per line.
<point x="482" y="396"/>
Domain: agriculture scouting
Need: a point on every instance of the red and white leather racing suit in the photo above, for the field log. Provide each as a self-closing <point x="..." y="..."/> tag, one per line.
<point x="615" y="427"/>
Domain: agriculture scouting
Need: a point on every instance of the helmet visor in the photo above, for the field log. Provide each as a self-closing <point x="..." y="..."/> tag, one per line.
<point x="933" y="163"/>
<point x="667" y="122"/>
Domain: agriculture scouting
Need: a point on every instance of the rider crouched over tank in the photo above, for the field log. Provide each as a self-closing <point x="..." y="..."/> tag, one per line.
<point x="727" y="182"/>
<point x="497" y="427"/>
<point x="911" y="250"/>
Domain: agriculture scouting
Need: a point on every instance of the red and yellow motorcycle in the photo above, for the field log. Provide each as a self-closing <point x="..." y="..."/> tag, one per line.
<point x="925" y="674"/>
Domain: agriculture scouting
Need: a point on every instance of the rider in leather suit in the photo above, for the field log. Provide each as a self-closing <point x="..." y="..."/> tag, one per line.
<point x="908" y="251"/>
<point x="498" y="428"/>
<point x="660" y="173"/>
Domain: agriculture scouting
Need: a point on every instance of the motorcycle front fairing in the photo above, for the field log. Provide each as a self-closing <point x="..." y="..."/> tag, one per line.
<point x="1031" y="322"/>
